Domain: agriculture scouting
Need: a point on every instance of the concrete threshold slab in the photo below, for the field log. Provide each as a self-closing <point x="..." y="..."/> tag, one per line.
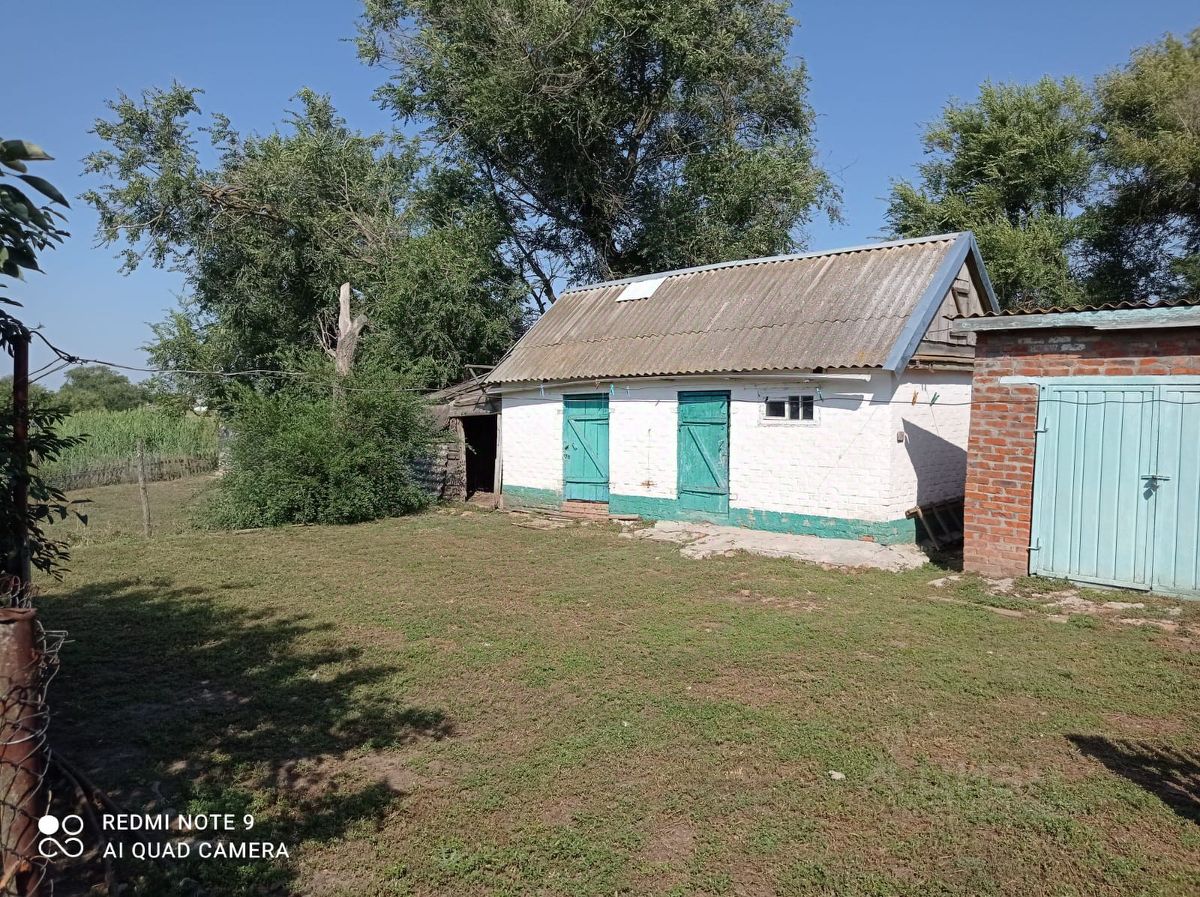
<point x="702" y="540"/>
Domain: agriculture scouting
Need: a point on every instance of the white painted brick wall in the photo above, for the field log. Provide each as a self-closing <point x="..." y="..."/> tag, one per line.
<point x="931" y="463"/>
<point x="842" y="466"/>
<point x="641" y="440"/>
<point x="532" y="440"/>
<point x="838" y="467"/>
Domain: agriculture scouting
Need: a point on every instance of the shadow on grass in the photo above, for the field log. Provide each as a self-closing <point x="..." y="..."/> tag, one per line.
<point x="1173" y="776"/>
<point x="179" y="700"/>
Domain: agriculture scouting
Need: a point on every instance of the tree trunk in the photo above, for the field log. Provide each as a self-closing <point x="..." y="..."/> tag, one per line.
<point x="342" y="351"/>
<point x="19" y="564"/>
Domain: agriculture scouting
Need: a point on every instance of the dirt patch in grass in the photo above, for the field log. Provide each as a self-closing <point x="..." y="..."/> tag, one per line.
<point x="748" y="597"/>
<point x="671" y="843"/>
<point x="754" y="689"/>
<point x="318" y="776"/>
<point x="1129" y="726"/>
<point x="558" y="811"/>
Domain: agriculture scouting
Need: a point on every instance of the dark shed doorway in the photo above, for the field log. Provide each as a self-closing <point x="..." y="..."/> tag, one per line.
<point x="467" y="459"/>
<point x="479" y="434"/>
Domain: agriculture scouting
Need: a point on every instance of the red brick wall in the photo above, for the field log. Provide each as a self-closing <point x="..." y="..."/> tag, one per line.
<point x="999" y="497"/>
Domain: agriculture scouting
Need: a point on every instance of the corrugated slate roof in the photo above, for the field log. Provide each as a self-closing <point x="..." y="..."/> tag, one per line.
<point x="848" y="308"/>
<point x="1125" y="305"/>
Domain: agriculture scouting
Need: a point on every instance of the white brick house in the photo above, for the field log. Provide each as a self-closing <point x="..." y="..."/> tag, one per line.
<point x="820" y="393"/>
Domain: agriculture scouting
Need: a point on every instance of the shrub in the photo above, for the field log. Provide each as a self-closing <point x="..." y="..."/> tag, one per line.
<point x="300" y="456"/>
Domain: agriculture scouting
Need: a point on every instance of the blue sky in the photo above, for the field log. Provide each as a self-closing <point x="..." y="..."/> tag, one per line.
<point x="878" y="70"/>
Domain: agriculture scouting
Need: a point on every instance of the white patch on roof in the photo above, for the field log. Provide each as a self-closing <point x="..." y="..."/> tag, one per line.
<point x="640" y="289"/>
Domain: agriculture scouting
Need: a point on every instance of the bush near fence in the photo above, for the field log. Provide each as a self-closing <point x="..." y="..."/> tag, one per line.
<point x="176" y="446"/>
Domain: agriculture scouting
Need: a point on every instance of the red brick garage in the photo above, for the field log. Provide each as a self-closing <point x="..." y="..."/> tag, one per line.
<point x="1083" y="446"/>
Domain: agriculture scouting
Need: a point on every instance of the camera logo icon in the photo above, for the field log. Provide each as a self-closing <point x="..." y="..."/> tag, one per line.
<point x="67" y="828"/>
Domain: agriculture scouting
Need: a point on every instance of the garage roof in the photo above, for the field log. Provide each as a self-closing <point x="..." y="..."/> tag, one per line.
<point x="1115" y="316"/>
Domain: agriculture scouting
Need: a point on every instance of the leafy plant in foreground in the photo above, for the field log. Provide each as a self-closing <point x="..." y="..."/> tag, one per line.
<point x="27" y="228"/>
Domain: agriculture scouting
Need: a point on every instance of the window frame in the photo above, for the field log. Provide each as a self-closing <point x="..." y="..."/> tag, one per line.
<point x="786" y="399"/>
<point x="776" y="418"/>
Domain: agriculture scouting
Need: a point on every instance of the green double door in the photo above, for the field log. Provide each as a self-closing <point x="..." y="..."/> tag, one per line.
<point x="703" y="454"/>
<point x="585" y="448"/>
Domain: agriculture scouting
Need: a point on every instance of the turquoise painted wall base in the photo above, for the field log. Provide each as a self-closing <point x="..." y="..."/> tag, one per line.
<point x="887" y="532"/>
<point x="529" y="497"/>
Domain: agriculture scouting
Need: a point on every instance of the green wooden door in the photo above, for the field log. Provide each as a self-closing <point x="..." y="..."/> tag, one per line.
<point x="703" y="453"/>
<point x="585" y="448"/>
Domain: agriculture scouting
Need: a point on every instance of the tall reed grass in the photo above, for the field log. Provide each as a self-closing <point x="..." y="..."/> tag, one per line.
<point x="173" y="442"/>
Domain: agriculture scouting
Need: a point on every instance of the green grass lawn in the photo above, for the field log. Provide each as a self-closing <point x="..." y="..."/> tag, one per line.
<point x="115" y="512"/>
<point x="455" y="705"/>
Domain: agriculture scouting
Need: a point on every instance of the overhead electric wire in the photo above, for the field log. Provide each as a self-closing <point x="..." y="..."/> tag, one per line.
<point x="42" y="372"/>
<point x="69" y="359"/>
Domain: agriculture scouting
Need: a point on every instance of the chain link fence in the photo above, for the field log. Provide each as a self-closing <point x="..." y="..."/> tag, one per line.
<point x="28" y="661"/>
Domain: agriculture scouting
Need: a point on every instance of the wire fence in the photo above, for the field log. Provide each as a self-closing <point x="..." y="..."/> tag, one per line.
<point x="28" y="661"/>
<point x="116" y="471"/>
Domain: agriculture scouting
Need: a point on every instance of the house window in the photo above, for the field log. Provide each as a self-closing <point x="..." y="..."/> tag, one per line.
<point x="792" y="408"/>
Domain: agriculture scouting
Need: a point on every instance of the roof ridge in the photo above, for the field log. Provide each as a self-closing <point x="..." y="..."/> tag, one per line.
<point x="787" y="257"/>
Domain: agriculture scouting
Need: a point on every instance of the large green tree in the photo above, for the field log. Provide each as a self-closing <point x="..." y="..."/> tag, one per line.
<point x="1076" y="194"/>
<point x="266" y="228"/>
<point x="1144" y="229"/>
<point x="1015" y="167"/>
<point x="97" y="387"/>
<point x="615" y="137"/>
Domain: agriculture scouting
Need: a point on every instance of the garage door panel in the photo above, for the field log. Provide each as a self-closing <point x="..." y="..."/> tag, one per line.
<point x="1113" y="502"/>
<point x="1177" y="493"/>
<point x="1090" y="517"/>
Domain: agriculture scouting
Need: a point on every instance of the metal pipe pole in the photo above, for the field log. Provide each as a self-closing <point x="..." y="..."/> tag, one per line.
<point x="23" y="722"/>
<point x="21" y="565"/>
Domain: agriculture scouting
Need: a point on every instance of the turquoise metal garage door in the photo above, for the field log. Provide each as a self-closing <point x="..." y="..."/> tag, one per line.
<point x="1117" y="485"/>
